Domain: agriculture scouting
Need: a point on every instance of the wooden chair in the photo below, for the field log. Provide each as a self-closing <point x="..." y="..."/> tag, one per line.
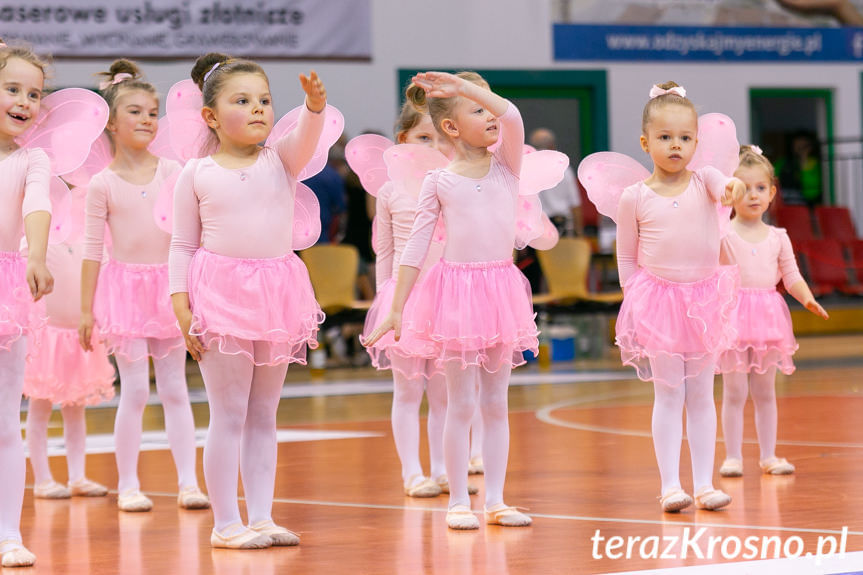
<point x="566" y="267"/>
<point x="333" y="272"/>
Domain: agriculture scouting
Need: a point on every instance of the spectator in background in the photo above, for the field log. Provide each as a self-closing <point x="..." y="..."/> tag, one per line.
<point x="562" y="203"/>
<point x="800" y="170"/>
<point x="329" y="187"/>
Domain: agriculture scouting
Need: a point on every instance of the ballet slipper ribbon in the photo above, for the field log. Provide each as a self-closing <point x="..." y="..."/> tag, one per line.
<point x="656" y="91"/>
<point x="115" y="80"/>
<point x="756" y="149"/>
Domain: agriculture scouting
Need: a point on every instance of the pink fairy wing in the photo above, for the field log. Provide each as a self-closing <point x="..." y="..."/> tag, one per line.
<point x="69" y="122"/>
<point x="187" y="131"/>
<point x="411" y="162"/>
<point x="163" y="208"/>
<point x="97" y="160"/>
<point x="161" y="144"/>
<point x="541" y="171"/>
<point x="334" y="124"/>
<point x="307" y="218"/>
<point x="365" y="156"/>
<point x="717" y="144"/>
<point x="61" y="201"/>
<point x="605" y="175"/>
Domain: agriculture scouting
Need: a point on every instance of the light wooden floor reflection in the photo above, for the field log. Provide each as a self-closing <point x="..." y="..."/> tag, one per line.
<point x="581" y="460"/>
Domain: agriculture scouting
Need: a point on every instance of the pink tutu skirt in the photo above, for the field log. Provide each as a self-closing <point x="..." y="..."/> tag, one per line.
<point x="661" y="319"/>
<point x="132" y="303"/>
<point x="60" y="371"/>
<point x="765" y="338"/>
<point x="264" y="308"/>
<point x="377" y="312"/>
<point x="474" y="313"/>
<point x="15" y="299"/>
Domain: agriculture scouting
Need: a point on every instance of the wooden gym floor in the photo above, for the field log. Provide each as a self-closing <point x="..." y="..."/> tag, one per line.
<point x="581" y="460"/>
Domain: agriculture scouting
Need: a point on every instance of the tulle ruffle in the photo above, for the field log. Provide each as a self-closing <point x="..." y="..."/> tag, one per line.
<point x="473" y="313"/>
<point x="60" y="371"/>
<point x="765" y="337"/>
<point x="133" y="303"/>
<point x="264" y="309"/>
<point x="662" y="319"/>
<point x="379" y="310"/>
<point x="15" y="299"/>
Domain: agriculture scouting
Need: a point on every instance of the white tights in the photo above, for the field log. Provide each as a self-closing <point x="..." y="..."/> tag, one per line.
<point x="467" y="388"/>
<point x="179" y="423"/>
<point x="12" y="462"/>
<point x="695" y="392"/>
<point x="244" y="398"/>
<point x="74" y="434"/>
<point x="735" y="387"/>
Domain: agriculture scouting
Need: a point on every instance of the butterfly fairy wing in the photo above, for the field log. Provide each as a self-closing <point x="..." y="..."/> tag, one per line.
<point x="307" y="218"/>
<point x="365" y="156"/>
<point x="717" y="144"/>
<point x="61" y="205"/>
<point x="541" y="170"/>
<point x="334" y="124"/>
<point x="408" y="164"/>
<point x="97" y="160"/>
<point x="69" y="121"/>
<point x="605" y="175"/>
<point x="187" y="132"/>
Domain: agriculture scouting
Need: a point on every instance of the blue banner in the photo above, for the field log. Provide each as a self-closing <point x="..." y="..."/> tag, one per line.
<point x="706" y="44"/>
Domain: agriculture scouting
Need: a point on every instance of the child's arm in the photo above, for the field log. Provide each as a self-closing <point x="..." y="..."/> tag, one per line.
<point x="298" y="146"/>
<point x="627" y="236"/>
<point x="384" y="244"/>
<point x="185" y="241"/>
<point x="36" y="211"/>
<point x="96" y="212"/>
<point x="720" y="187"/>
<point x="793" y="281"/>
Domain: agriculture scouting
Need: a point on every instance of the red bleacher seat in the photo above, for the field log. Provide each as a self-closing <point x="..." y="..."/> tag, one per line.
<point x="827" y="267"/>
<point x="797" y="221"/>
<point x="835" y="222"/>
<point x="855" y="249"/>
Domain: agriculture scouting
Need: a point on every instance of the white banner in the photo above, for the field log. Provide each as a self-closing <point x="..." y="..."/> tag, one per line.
<point x="189" y="28"/>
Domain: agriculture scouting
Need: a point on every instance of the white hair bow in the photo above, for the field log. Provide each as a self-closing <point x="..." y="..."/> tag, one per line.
<point x="656" y="91"/>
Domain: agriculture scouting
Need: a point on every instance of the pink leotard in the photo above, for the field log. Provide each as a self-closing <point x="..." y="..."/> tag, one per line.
<point x="762" y="264"/>
<point x="24" y="189"/>
<point x="676" y="238"/>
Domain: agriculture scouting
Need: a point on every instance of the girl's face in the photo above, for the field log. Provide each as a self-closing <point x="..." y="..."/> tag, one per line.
<point x="136" y="119"/>
<point x="671" y="137"/>
<point x="243" y="114"/>
<point x="20" y="96"/>
<point x="425" y="134"/>
<point x="472" y="124"/>
<point x="759" y="192"/>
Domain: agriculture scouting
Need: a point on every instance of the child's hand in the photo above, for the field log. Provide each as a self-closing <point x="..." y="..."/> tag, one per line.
<point x="734" y="190"/>
<point x="39" y="279"/>
<point x="439" y="84"/>
<point x="316" y="94"/>
<point x="393" y="322"/>
<point x="85" y="331"/>
<point x="816" y="308"/>
<point x="193" y="343"/>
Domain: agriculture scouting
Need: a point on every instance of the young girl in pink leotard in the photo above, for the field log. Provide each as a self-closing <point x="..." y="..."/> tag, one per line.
<point x="241" y="295"/>
<point x="473" y="313"/>
<point x="678" y="300"/>
<point x="765" y="341"/>
<point x="60" y="372"/>
<point x="24" y="203"/>
<point x="126" y="302"/>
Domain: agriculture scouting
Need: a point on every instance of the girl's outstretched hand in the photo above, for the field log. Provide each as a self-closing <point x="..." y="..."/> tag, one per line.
<point x="393" y="322"/>
<point x="438" y="84"/>
<point x="734" y="190"/>
<point x="816" y="308"/>
<point x="316" y="94"/>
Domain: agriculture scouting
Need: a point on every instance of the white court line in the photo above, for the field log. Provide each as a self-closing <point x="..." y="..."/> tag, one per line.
<point x="579" y="518"/>
<point x="544" y="414"/>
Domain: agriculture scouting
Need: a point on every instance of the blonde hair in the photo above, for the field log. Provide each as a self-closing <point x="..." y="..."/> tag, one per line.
<point x="22" y="52"/>
<point x="135" y="81"/>
<point x="441" y="108"/>
<point x="664" y="100"/>
<point x="750" y="158"/>
<point x="409" y="116"/>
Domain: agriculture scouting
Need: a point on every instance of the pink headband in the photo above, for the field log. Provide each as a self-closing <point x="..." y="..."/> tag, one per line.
<point x="656" y="91"/>
<point x="213" y="69"/>
<point x="115" y="80"/>
<point x="756" y="149"/>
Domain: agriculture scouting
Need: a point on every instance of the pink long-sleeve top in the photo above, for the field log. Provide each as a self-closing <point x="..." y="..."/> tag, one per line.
<point x="395" y="210"/>
<point x="240" y="213"/>
<point x="128" y="210"/>
<point x="25" y="177"/>
<point x="478" y="213"/>
<point x="762" y="264"/>
<point x="676" y="237"/>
